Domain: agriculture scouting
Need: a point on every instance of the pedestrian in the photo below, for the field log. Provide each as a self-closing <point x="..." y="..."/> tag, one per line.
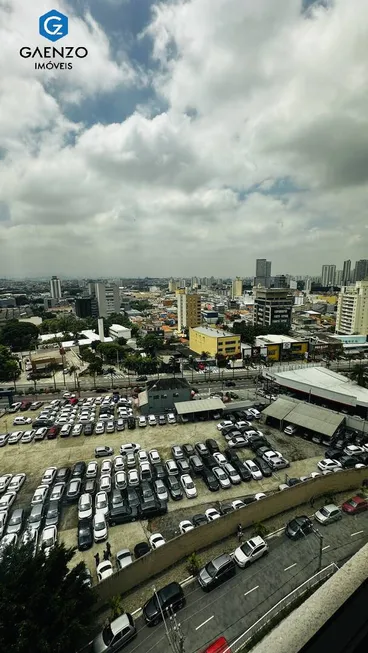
<point x="105" y="555"/>
<point x="240" y="532"/>
<point x="97" y="558"/>
<point x="108" y="549"/>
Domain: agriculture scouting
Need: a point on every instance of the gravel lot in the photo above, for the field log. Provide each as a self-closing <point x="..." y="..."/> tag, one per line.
<point x="34" y="458"/>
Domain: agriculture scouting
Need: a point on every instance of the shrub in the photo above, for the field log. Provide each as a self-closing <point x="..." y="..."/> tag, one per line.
<point x="116" y="607"/>
<point x="193" y="565"/>
<point x="260" y="529"/>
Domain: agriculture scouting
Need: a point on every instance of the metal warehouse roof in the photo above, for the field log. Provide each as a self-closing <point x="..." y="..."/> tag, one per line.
<point x="299" y="413"/>
<point x="199" y="406"/>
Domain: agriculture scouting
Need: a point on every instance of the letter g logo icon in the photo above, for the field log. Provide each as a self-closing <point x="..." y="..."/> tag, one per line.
<point x="53" y="25"/>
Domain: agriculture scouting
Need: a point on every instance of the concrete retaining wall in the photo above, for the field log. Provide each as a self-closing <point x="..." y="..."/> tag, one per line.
<point x="181" y="547"/>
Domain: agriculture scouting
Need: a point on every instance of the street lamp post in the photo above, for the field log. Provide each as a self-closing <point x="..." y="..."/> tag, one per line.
<point x="320" y="537"/>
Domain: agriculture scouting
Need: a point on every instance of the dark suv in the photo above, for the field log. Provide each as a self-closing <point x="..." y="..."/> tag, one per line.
<point x="170" y="596"/>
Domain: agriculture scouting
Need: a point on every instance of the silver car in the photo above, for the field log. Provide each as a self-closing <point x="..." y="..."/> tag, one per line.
<point x="161" y="491"/>
<point x="115" y="635"/>
<point x="15" y="522"/>
<point x="328" y="514"/>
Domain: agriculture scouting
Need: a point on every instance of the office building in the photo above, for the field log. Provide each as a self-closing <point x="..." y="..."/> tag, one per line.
<point x="352" y="310"/>
<point x="272" y="306"/>
<point x="237" y="288"/>
<point x="308" y="285"/>
<point x="55" y="288"/>
<point x="214" y="342"/>
<point x="328" y="275"/>
<point x="338" y="278"/>
<point x="117" y="331"/>
<point x="346" y="273"/>
<point x="108" y="299"/>
<point x="280" y="281"/>
<point x="189" y="310"/>
<point x="263" y="273"/>
<point x="86" y="307"/>
<point x="361" y="270"/>
<point x="161" y="395"/>
<point x="172" y="285"/>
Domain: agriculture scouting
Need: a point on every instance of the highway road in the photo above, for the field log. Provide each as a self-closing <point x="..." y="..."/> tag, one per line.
<point x="237" y="604"/>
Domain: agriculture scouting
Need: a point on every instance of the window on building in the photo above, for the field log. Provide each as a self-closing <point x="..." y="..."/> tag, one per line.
<point x="163" y="396"/>
<point x="176" y="394"/>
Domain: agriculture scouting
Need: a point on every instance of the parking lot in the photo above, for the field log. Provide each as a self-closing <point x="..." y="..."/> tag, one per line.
<point x="33" y="458"/>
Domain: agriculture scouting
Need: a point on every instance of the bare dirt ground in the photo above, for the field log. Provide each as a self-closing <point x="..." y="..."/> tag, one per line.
<point x="34" y="458"/>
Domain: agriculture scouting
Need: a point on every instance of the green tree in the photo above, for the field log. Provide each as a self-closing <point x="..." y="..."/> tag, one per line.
<point x="9" y="367"/>
<point x="94" y="368"/>
<point x="53" y="368"/>
<point x="111" y="371"/>
<point x="359" y="375"/>
<point x="18" y="335"/>
<point x="110" y="351"/>
<point x="73" y="371"/>
<point x="46" y="606"/>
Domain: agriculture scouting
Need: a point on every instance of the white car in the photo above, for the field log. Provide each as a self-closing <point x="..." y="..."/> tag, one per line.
<point x="314" y="474"/>
<point x="242" y="424"/>
<point x="256" y="414"/>
<point x="156" y="540"/>
<point x="101" y="503"/>
<point x="237" y="504"/>
<point x="40" y="495"/>
<point x="92" y="469"/>
<point x="253" y="469"/>
<point x="120" y="480"/>
<point x="20" y="420"/>
<point x="27" y="436"/>
<point x="8" y="540"/>
<point x="220" y="458"/>
<point x="3" y="518"/>
<point x="110" y="427"/>
<point x="16" y="482"/>
<point x="354" y="450"/>
<point x="171" y="419"/>
<point x="328" y="465"/>
<point x="130" y="460"/>
<point x="99" y="527"/>
<point x="105" y="483"/>
<point x="106" y="467"/>
<point x="152" y="420"/>
<point x="120" y="425"/>
<point x="100" y="428"/>
<point x="250" y="551"/>
<point x="154" y="456"/>
<point x="260" y="495"/>
<point x="119" y="464"/>
<point x="212" y="514"/>
<point x="49" y="476"/>
<point x="142" y="422"/>
<point x="225" y="424"/>
<point x="188" y="486"/>
<point x="171" y="467"/>
<point x="48" y="539"/>
<point x="104" y="570"/>
<point x="4" y="481"/>
<point x="84" y="418"/>
<point x="161" y="491"/>
<point x="15" y="437"/>
<point x="222" y="477"/>
<point x="129" y="447"/>
<point x="185" y="526"/>
<point x="142" y="456"/>
<point x="57" y="491"/>
<point x="85" y="506"/>
<point x="133" y="478"/>
<point x="123" y="558"/>
<point x="145" y="472"/>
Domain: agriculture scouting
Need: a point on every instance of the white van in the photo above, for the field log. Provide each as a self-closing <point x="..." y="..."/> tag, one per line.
<point x="290" y="430"/>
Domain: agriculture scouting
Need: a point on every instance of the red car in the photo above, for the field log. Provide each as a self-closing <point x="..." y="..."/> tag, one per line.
<point x="355" y="505"/>
<point x="25" y="405"/>
<point x="53" y="432"/>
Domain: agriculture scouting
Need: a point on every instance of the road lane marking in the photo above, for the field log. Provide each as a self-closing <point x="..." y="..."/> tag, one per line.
<point x="357" y="533"/>
<point x="252" y="590"/>
<point x="205" y="622"/>
<point x="326" y="547"/>
<point x="291" y="566"/>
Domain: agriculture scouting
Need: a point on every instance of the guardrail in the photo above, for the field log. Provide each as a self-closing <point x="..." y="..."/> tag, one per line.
<point x="282" y="605"/>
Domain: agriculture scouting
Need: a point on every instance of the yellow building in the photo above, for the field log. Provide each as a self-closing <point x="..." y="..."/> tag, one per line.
<point x="237" y="288"/>
<point x="214" y="342"/>
<point x="277" y="347"/>
<point x="189" y="310"/>
<point x="329" y="299"/>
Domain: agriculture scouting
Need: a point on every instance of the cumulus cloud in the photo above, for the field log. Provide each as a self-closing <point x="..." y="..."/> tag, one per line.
<point x="254" y="93"/>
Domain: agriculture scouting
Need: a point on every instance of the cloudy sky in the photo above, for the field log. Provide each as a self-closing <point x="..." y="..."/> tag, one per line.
<point x="195" y="137"/>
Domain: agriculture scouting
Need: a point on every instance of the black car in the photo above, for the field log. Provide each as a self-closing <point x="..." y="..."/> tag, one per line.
<point x="225" y="508"/>
<point x="210" y="480"/>
<point x="131" y="423"/>
<point x="62" y="475"/>
<point x="349" y="462"/>
<point x="188" y="450"/>
<point x="244" y="473"/>
<point x="170" y="597"/>
<point x="231" y="455"/>
<point x="161" y="420"/>
<point x="209" y="461"/>
<point x="183" y="466"/>
<point x="88" y="428"/>
<point x="79" y="469"/>
<point x="133" y="497"/>
<point x="152" y="508"/>
<point x="256" y="443"/>
<point x="199" y="520"/>
<point x="212" y="445"/>
<point x="299" y="527"/>
<point x="230" y="384"/>
<point x="228" y="430"/>
<point x="116" y="499"/>
<point x="159" y="471"/>
<point x="85" y="535"/>
<point x="52" y="513"/>
<point x="293" y="481"/>
<point x="38" y="423"/>
<point x="196" y="465"/>
<point x="263" y="466"/>
<point x="73" y="490"/>
<point x="147" y="491"/>
<point x="90" y="486"/>
<point x="141" y="549"/>
<point x="201" y="449"/>
<point x="123" y="514"/>
<point x="174" y="488"/>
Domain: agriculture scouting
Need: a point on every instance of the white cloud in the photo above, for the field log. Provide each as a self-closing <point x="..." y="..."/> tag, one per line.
<point x="255" y="92"/>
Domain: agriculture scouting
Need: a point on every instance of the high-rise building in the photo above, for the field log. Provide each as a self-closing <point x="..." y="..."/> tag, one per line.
<point x="263" y="273"/>
<point x="352" y="310"/>
<point x="237" y="288"/>
<point x="328" y="275"/>
<point x="338" y="279"/>
<point x="361" y="270"/>
<point x="172" y="285"/>
<point x="346" y="273"/>
<point x="272" y="306"/>
<point x="108" y="299"/>
<point x="55" y="288"/>
<point x="189" y="310"/>
<point x="86" y="307"/>
<point x="280" y="281"/>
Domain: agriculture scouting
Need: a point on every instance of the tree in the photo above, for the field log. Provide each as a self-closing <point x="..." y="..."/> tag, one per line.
<point x="110" y="351"/>
<point x="9" y="367"/>
<point x="111" y="371"/>
<point x="46" y="607"/>
<point x="53" y="368"/>
<point x="18" y="335"/>
<point x="73" y="369"/>
<point x="95" y="367"/>
<point x="359" y="375"/>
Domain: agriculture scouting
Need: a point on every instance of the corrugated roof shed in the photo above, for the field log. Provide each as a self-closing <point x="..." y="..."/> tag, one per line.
<point x="309" y="416"/>
<point x="199" y="406"/>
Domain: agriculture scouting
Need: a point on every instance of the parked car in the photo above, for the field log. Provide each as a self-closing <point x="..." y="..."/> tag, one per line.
<point x="188" y="486"/>
<point x="48" y="539"/>
<point x="199" y="520"/>
<point x="142" y="422"/>
<point x="212" y="514"/>
<point x="85" y="535"/>
<point x="16" y="482"/>
<point x="154" y="457"/>
<point x="177" y="452"/>
<point x="328" y="514"/>
<point x="99" y="527"/>
<point x="174" y="488"/>
<point x="104" y="570"/>
<point x="299" y="527"/>
<point x="100" y="452"/>
<point x="232" y="474"/>
<point x="39" y="495"/>
<point x="253" y="469"/>
<point x="212" y="445"/>
<point x="156" y="540"/>
<point x="57" y="491"/>
<point x="123" y="558"/>
<point x="263" y="466"/>
<point x="169" y="597"/>
<point x="172" y="468"/>
<point x="222" y="477"/>
<point x="216" y="572"/>
<point x="52" y="513"/>
<point x="79" y="469"/>
<point x="49" y="476"/>
<point x="73" y="490"/>
<point x="210" y="479"/>
<point x="15" y="522"/>
<point x="161" y="490"/>
<point x="85" y="507"/>
<point x="250" y="551"/>
<point x="355" y="505"/>
<point x="129" y="447"/>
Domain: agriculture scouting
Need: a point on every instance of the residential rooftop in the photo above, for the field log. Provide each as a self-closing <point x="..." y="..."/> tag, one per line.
<point x="214" y="333"/>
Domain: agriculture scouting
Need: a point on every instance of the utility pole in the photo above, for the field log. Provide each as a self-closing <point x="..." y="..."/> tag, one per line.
<point x="320" y="537"/>
<point x="176" y="633"/>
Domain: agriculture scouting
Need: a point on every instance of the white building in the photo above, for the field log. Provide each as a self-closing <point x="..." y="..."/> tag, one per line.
<point x="352" y="310"/>
<point x="108" y="299"/>
<point x="328" y="275"/>
<point x="117" y="331"/>
<point x="55" y="288"/>
<point x="189" y="310"/>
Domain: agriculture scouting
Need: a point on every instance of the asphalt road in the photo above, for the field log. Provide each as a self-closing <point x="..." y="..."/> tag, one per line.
<point x="237" y="604"/>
